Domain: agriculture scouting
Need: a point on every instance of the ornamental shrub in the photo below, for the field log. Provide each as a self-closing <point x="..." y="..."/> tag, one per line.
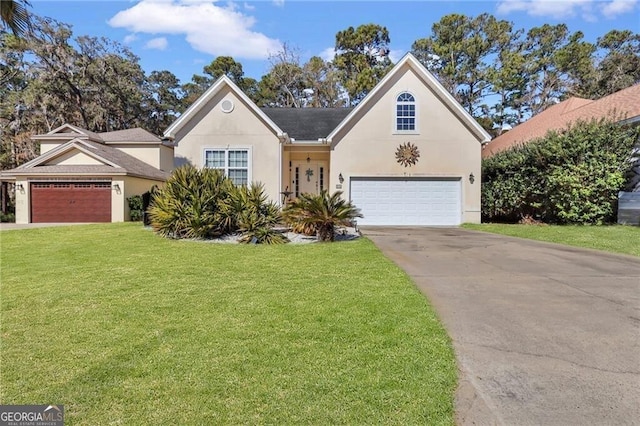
<point x="206" y="204"/>
<point x="136" y="208"/>
<point x="569" y="176"/>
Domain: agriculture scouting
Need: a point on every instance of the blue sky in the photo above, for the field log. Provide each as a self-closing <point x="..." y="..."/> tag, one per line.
<point x="184" y="35"/>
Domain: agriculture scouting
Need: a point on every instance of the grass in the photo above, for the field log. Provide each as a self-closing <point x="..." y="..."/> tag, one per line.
<point x="124" y="327"/>
<point x="614" y="238"/>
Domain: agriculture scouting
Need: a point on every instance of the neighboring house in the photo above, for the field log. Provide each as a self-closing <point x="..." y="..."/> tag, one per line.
<point x="81" y="176"/>
<point x="408" y="154"/>
<point x="623" y="105"/>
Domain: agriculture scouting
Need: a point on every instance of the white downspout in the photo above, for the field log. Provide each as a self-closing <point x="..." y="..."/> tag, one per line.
<point x="282" y="139"/>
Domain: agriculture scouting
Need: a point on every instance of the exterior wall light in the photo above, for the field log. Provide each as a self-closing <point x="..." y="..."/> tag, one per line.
<point x="116" y="187"/>
<point x="472" y="178"/>
<point x="20" y="187"/>
<point x="340" y="178"/>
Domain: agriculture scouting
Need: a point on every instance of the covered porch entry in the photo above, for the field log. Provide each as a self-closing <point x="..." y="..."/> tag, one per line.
<point x="305" y="169"/>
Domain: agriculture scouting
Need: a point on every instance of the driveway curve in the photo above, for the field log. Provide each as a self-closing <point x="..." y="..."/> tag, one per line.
<point x="543" y="333"/>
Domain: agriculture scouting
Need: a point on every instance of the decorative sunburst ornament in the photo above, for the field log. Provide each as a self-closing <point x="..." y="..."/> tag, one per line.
<point x="407" y="154"/>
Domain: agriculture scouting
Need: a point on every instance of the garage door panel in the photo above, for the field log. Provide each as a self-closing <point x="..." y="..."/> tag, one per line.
<point x="407" y="201"/>
<point x="71" y="202"/>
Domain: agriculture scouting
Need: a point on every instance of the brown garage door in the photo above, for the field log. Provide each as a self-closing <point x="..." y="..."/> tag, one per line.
<point x="70" y="202"/>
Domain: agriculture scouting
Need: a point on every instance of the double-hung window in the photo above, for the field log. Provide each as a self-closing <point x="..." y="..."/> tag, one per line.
<point x="233" y="162"/>
<point x="405" y="113"/>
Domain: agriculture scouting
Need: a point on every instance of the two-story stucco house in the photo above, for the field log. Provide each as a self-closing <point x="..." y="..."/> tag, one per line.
<point x="408" y="115"/>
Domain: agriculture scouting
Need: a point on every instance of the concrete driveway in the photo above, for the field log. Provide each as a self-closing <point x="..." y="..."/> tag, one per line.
<point x="544" y="334"/>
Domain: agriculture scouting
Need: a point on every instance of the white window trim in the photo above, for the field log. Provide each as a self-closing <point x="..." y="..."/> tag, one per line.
<point x="395" y="131"/>
<point x="226" y="149"/>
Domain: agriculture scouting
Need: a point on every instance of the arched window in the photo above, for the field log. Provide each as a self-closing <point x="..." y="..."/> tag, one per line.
<point x="405" y="112"/>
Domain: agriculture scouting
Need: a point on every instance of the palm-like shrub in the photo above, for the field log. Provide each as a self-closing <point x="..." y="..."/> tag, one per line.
<point x="253" y="215"/>
<point x="323" y="211"/>
<point x="206" y="204"/>
<point x="189" y="204"/>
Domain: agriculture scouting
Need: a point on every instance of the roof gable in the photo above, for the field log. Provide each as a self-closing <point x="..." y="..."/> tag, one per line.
<point x="77" y="144"/>
<point x="106" y="160"/>
<point x="68" y="128"/>
<point x="70" y="131"/>
<point x="202" y="101"/>
<point x="428" y="79"/>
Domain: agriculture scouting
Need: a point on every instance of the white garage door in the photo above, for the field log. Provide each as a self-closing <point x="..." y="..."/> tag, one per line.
<point x="407" y="201"/>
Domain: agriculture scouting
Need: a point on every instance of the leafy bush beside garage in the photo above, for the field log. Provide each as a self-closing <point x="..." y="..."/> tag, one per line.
<point x="570" y="176"/>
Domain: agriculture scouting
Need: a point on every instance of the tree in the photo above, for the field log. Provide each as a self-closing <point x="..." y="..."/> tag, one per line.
<point x="619" y="66"/>
<point x="286" y="77"/>
<point x="15" y="16"/>
<point x="322" y="84"/>
<point x="165" y="101"/>
<point x="362" y="58"/>
<point x="458" y="51"/>
<point x="556" y="63"/>
<point x="506" y="76"/>
<point x="49" y="78"/>
<point x="222" y="65"/>
<point x="225" y="65"/>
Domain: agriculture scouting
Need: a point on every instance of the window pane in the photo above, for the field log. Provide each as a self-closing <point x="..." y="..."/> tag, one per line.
<point x="238" y="176"/>
<point x="214" y="159"/>
<point x="406" y="97"/>
<point x="405" y="112"/>
<point x="238" y="158"/>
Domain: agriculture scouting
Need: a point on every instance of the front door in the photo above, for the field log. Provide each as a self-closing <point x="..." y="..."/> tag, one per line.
<point x="308" y="177"/>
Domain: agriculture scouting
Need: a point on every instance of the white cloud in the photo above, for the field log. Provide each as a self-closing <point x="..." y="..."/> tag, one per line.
<point x="130" y="38"/>
<point x="559" y="9"/>
<point x="618" y="7"/>
<point x="208" y="28"/>
<point x="159" y="43"/>
<point x="328" y="54"/>
<point x="247" y="6"/>
<point x="279" y="3"/>
<point x="396" y="54"/>
<point x="549" y="8"/>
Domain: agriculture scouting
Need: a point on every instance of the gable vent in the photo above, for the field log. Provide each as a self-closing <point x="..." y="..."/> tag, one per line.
<point x="226" y="106"/>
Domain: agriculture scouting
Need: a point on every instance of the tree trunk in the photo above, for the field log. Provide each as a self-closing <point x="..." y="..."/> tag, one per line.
<point x="325" y="233"/>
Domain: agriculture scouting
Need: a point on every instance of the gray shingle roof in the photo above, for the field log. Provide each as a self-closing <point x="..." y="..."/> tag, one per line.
<point x="307" y="124"/>
<point x="129" y="135"/>
<point x="124" y="162"/>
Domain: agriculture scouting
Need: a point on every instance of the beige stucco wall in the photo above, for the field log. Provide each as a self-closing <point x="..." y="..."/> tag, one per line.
<point x="135" y="186"/>
<point x="118" y="199"/>
<point x="166" y="158"/>
<point x="150" y="154"/>
<point x="447" y="147"/>
<point x="212" y="128"/>
<point x="48" y="146"/>
<point x="74" y="157"/>
<point x="22" y="201"/>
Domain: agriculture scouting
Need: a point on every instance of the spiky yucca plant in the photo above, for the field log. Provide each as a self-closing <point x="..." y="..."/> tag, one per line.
<point x="189" y="204"/>
<point x="255" y="216"/>
<point x="322" y="211"/>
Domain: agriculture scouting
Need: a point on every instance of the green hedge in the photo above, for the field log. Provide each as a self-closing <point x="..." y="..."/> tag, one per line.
<point x="570" y="176"/>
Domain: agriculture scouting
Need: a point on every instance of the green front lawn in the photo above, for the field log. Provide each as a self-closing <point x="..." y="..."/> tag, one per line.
<point x="616" y="239"/>
<point x="124" y="327"/>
